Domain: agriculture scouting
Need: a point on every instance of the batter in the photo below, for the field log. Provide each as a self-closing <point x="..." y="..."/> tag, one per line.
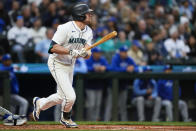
<point x="68" y="43"/>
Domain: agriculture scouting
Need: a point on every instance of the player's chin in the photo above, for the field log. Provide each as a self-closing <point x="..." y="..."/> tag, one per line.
<point x="87" y="22"/>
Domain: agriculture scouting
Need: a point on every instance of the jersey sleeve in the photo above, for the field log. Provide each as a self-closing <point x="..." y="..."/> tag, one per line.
<point x="89" y="40"/>
<point x="60" y="35"/>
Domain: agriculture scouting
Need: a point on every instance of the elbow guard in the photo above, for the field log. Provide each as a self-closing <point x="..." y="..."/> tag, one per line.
<point x="51" y="46"/>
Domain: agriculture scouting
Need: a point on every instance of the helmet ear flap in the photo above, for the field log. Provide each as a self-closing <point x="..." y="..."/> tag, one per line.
<point x="82" y="18"/>
<point x="79" y="18"/>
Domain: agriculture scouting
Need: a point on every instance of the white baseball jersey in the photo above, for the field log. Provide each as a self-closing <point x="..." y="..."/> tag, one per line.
<point x="176" y="46"/>
<point x="20" y="35"/>
<point x="70" y="36"/>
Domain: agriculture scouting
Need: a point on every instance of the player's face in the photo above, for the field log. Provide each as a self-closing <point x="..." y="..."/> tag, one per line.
<point x="123" y="54"/>
<point x="88" y="19"/>
<point x="96" y="55"/>
<point x="7" y="62"/>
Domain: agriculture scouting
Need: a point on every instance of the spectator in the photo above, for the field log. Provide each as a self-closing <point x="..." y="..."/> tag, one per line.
<point x="49" y="15"/>
<point x="61" y="11"/>
<point x="141" y="29"/>
<point x="128" y="29"/>
<point x="108" y="46"/>
<point x="175" y="47"/>
<point x="38" y="31"/>
<point x="192" y="46"/>
<point x="121" y="62"/>
<point x="146" y="93"/>
<point x="14" y="12"/>
<point x="184" y="29"/>
<point x="150" y="22"/>
<point x="4" y="26"/>
<point x="94" y="26"/>
<point x="186" y="9"/>
<point x="19" y="38"/>
<point x="176" y="14"/>
<point x="44" y="6"/>
<point x="124" y="11"/>
<point x="124" y="14"/>
<point x="122" y="40"/>
<point x="159" y="13"/>
<point x="55" y="24"/>
<point x="105" y="9"/>
<point x="96" y="6"/>
<point x="35" y="10"/>
<point x="41" y="48"/>
<point x="165" y="89"/>
<point x="153" y="56"/>
<point x="94" y="91"/>
<point x="170" y="22"/>
<point x="111" y="24"/>
<point x="16" y="99"/>
<point x="142" y="7"/>
<point x="158" y="38"/>
<point x="136" y="54"/>
<point x="27" y="16"/>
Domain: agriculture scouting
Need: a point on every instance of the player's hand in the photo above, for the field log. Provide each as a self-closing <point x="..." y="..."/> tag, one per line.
<point x="149" y="91"/>
<point x="130" y="68"/>
<point x="150" y="98"/>
<point x="102" y="68"/>
<point x="74" y="53"/>
<point x="83" y="53"/>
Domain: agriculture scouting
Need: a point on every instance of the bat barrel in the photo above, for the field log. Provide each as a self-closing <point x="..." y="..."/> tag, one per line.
<point x="105" y="38"/>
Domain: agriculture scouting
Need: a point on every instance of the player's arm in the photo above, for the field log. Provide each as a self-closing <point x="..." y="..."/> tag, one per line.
<point x="59" y="38"/>
<point x="58" y="49"/>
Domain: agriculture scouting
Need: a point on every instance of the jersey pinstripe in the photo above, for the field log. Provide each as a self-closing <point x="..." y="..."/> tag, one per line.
<point x="70" y="36"/>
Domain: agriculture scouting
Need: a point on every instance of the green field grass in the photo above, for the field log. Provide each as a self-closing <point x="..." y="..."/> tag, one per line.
<point x="109" y="123"/>
<point x="123" y="123"/>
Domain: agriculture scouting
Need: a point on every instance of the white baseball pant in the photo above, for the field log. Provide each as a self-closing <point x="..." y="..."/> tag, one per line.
<point x="63" y="75"/>
<point x="20" y="101"/>
<point x="169" y="109"/>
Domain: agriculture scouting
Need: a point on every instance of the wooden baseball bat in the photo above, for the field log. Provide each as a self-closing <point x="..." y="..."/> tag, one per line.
<point x="105" y="38"/>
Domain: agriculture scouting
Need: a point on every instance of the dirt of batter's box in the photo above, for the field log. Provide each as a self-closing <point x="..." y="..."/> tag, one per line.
<point x="102" y="127"/>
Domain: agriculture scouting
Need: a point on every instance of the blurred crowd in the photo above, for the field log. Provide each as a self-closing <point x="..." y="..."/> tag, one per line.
<point x="153" y="30"/>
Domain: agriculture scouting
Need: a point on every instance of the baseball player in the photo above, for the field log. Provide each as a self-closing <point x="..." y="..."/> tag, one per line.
<point x="94" y="91"/>
<point x="145" y="93"/>
<point x="16" y="99"/>
<point x="121" y="62"/>
<point x="165" y="90"/>
<point x="11" y="119"/>
<point x="68" y="43"/>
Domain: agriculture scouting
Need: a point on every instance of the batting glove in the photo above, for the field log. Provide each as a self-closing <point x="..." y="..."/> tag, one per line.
<point x="83" y="53"/>
<point x="74" y="53"/>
